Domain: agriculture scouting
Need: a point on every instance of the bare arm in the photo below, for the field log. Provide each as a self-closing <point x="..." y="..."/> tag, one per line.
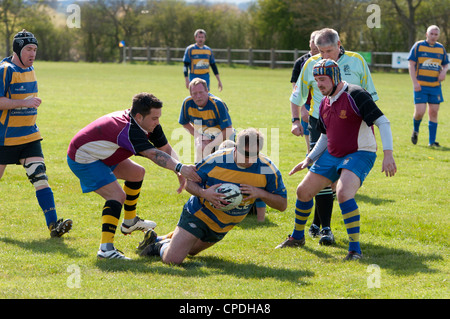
<point x="164" y="160"/>
<point x="9" y="104"/>
<point x="273" y="200"/>
<point x="412" y="74"/>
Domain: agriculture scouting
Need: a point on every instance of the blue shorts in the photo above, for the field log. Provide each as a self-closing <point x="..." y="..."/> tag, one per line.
<point x="432" y="95"/>
<point x="92" y="176"/>
<point x="360" y="163"/>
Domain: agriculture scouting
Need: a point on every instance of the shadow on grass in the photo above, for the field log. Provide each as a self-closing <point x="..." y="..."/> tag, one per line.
<point x="44" y="246"/>
<point x="204" y="266"/>
<point x="397" y="261"/>
<point x="373" y="200"/>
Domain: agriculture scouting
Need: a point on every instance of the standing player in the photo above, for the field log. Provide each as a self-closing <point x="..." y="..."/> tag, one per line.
<point x="428" y="65"/>
<point x="20" y="138"/>
<point x="197" y="59"/>
<point x="354" y="70"/>
<point x="205" y="117"/>
<point x="201" y="224"/>
<point x="345" y="151"/>
<point x="99" y="155"/>
<point x="314" y="230"/>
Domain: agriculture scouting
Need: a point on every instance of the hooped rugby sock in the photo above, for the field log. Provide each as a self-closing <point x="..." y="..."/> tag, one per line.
<point x="302" y="212"/>
<point x="324" y="204"/>
<point x="47" y="202"/>
<point x="416" y="125"/>
<point x="432" y="130"/>
<point x="110" y="220"/>
<point x="132" y="190"/>
<point x="350" y="213"/>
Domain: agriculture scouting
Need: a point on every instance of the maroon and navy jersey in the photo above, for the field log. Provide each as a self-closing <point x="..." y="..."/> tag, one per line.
<point x="113" y="138"/>
<point x="347" y="120"/>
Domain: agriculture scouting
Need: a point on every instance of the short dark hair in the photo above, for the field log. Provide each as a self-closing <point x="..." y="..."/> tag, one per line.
<point x="144" y="102"/>
<point x="249" y="142"/>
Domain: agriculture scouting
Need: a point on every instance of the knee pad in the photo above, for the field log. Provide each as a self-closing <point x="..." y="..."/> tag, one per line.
<point x="36" y="172"/>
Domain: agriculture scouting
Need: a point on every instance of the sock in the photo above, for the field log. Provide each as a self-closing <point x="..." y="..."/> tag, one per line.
<point x="164" y="245"/>
<point x="302" y="212"/>
<point x="132" y="190"/>
<point x="416" y="124"/>
<point x="316" y="220"/>
<point x="110" y="220"/>
<point x="432" y="129"/>
<point x="47" y="202"/>
<point x="324" y="204"/>
<point x="350" y="213"/>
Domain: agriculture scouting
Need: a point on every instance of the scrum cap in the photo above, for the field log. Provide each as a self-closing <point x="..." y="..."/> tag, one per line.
<point x="329" y="68"/>
<point x="22" y="39"/>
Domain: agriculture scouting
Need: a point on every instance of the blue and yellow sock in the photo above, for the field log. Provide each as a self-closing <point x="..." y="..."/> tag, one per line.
<point x="302" y="212"/>
<point x="47" y="202"/>
<point x="350" y="213"/>
<point x="432" y="130"/>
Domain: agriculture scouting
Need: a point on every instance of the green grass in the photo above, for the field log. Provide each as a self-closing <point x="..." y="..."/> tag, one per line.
<point x="404" y="219"/>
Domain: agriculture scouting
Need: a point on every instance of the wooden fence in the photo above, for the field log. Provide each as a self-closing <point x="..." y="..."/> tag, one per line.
<point x="252" y="57"/>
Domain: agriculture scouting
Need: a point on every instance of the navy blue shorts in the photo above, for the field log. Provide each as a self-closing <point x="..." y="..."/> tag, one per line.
<point x="12" y="154"/>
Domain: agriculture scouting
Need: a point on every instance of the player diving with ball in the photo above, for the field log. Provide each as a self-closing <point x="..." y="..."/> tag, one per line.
<point x="204" y="221"/>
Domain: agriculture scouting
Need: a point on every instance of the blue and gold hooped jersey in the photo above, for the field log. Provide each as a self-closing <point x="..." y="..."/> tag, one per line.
<point x="429" y="61"/>
<point x="213" y="117"/>
<point x="219" y="168"/>
<point x="18" y="126"/>
<point x="199" y="58"/>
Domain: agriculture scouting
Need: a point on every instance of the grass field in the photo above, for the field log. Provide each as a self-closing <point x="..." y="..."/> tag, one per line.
<point x="405" y="226"/>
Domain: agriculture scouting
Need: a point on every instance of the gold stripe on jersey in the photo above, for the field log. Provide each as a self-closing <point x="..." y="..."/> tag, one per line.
<point x="205" y="114"/>
<point x="21" y="121"/>
<point x="10" y="141"/>
<point x="238" y="177"/>
<point x="201" y="51"/>
<point x="24" y="77"/>
<point x="435" y="50"/>
<point x="221" y="216"/>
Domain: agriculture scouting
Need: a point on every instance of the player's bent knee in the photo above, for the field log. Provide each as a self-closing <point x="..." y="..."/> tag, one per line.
<point x="36" y="173"/>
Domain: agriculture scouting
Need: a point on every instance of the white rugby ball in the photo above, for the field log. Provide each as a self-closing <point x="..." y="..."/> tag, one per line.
<point x="232" y="194"/>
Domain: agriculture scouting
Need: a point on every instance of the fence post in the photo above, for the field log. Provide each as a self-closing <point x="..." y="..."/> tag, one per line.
<point x="272" y="58"/>
<point x="168" y="55"/>
<point x="250" y="57"/>
<point x="130" y="54"/>
<point x="295" y="54"/>
<point x="229" y="56"/>
<point x="149" y="54"/>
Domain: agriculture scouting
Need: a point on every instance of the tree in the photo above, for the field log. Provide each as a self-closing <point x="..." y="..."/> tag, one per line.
<point x="408" y="19"/>
<point x="9" y="13"/>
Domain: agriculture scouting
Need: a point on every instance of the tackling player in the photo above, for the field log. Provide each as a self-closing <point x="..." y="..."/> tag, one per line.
<point x="99" y="155"/>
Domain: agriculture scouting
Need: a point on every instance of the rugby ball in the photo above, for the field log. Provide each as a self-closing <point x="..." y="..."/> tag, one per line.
<point x="232" y="194"/>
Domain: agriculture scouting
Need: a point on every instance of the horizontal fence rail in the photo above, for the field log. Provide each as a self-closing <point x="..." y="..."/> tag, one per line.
<point x="252" y="57"/>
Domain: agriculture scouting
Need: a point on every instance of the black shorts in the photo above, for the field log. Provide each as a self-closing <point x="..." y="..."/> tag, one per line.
<point x="12" y="154"/>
